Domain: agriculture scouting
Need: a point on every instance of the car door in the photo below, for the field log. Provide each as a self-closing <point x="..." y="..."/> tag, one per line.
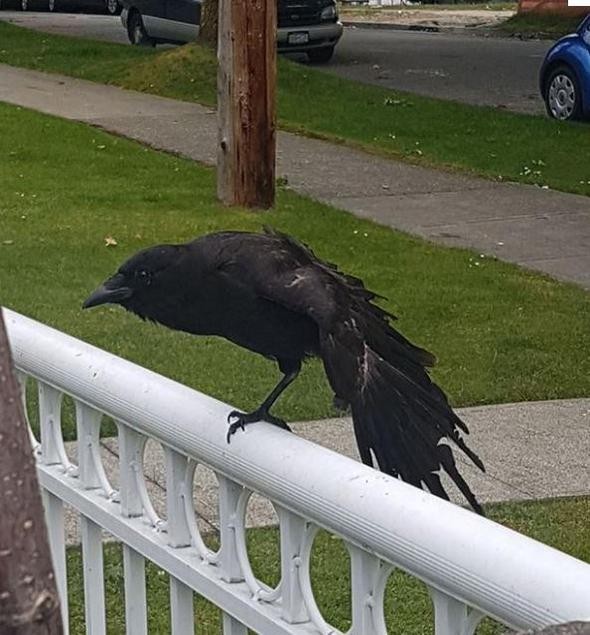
<point x="183" y="18"/>
<point x="153" y="14"/>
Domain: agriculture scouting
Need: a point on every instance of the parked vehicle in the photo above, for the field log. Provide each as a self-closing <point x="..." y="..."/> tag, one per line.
<point x="565" y="75"/>
<point x="304" y="26"/>
<point x="112" y="7"/>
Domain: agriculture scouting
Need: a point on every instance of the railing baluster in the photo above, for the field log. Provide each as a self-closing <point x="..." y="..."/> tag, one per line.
<point x="131" y="445"/>
<point x="452" y="617"/>
<point x="368" y="579"/>
<point x="181" y="608"/>
<point x="179" y="534"/>
<point x="90" y="468"/>
<point x="231" y="626"/>
<point x="54" y="517"/>
<point x="92" y="557"/>
<point x="52" y="447"/>
<point x="22" y="379"/>
<point x="229" y="499"/>
<point x="135" y="593"/>
<point x="292" y="528"/>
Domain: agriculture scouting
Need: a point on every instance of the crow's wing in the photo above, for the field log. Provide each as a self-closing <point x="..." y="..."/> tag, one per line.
<point x="401" y="418"/>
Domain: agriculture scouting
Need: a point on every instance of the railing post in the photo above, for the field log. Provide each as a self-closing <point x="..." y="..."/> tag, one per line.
<point x="231" y="626"/>
<point x="181" y="596"/>
<point x="181" y="608"/>
<point x="135" y="593"/>
<point x="89" y="472"/>
<point x="92" y="558"/>
<point x="54" y="518"/>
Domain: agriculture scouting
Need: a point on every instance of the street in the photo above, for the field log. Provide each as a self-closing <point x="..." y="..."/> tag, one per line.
<point x="495" y="72"/>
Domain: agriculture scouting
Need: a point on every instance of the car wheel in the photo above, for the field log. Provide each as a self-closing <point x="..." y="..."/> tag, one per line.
<point x="563" y="98"/>
<point x="136" y="31"/>
<point x="321" y="56"/>
<point x="112" y="7"/>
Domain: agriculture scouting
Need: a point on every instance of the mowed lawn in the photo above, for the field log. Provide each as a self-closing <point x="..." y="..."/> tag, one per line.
<point x="497" y="144"/>
<point x="70" y="192"/>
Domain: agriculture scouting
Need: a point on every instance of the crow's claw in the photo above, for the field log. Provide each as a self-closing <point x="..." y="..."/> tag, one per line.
<point x="242" y="419"/>
<point x="234" y="427"/>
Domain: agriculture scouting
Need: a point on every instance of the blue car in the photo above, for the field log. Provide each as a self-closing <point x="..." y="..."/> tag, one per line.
<point x="565" y="75"/>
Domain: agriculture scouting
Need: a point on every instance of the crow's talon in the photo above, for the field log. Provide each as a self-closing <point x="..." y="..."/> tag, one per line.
<point x="242" y="419"/>
<point x="234" y="414"/>
<point x="234" y="427"/>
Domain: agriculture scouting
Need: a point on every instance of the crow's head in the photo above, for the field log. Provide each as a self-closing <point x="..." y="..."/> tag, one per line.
<point x="137" y="279"/>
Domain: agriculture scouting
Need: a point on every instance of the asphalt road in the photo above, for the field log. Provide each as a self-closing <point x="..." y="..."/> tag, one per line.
<point x="498" y="72"/>
<point x="487" y="71"/>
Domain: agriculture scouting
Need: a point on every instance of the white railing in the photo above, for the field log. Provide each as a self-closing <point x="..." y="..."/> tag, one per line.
<point x="472" y="566"/>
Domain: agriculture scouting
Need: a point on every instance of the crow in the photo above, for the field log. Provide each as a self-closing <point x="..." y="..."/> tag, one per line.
<point x="270" y="294"/>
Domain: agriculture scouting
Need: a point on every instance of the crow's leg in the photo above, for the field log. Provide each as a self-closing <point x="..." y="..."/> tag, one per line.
<point x="242" y="419"/>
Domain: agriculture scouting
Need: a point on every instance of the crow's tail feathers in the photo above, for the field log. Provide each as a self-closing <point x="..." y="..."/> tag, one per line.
<point x="401" y="419"/>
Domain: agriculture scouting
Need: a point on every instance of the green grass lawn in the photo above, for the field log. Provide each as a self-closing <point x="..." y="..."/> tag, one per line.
<point x="484" y="141"/>
<point x="501" y="333"/>
<point x="560" y="523"/>
<point x="539" y="25"/>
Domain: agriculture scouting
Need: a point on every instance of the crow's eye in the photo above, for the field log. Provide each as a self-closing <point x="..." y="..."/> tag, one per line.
<point x="144" y="275"/>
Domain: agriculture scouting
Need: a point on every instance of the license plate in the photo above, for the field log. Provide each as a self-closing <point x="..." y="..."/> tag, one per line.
<point x="300" y="37"/>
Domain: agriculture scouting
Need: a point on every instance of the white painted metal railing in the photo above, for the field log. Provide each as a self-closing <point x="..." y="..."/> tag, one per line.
<point x="472" y="566"/>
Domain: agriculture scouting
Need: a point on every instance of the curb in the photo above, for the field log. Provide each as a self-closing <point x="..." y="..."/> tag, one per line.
<point x="392" y="26"/>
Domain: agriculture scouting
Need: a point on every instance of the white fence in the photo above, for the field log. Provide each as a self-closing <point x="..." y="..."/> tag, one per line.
<point x="472" y="566"/>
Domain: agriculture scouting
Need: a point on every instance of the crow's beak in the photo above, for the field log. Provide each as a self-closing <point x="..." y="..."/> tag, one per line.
<point x="112" y="291"/>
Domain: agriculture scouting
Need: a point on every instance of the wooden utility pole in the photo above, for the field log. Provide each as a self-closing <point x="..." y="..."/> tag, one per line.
<point x="246" y="109"/>
<point x="29" y="603"/>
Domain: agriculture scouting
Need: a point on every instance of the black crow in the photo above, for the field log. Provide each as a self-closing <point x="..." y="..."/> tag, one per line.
<point x="272" y="295"/>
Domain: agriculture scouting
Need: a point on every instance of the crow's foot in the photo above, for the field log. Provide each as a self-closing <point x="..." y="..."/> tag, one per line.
<point x="242" y="419"/>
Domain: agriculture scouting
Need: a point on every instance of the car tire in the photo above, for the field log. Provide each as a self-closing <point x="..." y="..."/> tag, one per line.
<point x="563" y="97"/>
<point x="136" y="31"/>
<point x="112" y="7"/>
<point x="321" y="56"/>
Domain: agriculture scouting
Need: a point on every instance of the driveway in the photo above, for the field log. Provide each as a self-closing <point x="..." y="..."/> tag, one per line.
<point x="495" y="72"/>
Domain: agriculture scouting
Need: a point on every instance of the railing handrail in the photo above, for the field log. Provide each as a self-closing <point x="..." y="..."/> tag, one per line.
<point x="511" y="577"/>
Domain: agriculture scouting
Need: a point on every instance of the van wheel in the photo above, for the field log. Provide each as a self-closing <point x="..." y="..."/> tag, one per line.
<point x="321" y="56"/>
<point x="136" y="31"/>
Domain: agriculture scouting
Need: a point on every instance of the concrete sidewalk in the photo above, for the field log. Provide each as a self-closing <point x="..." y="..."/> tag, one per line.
<point x="541" y="229"/>
<point x="530" y="450"/>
